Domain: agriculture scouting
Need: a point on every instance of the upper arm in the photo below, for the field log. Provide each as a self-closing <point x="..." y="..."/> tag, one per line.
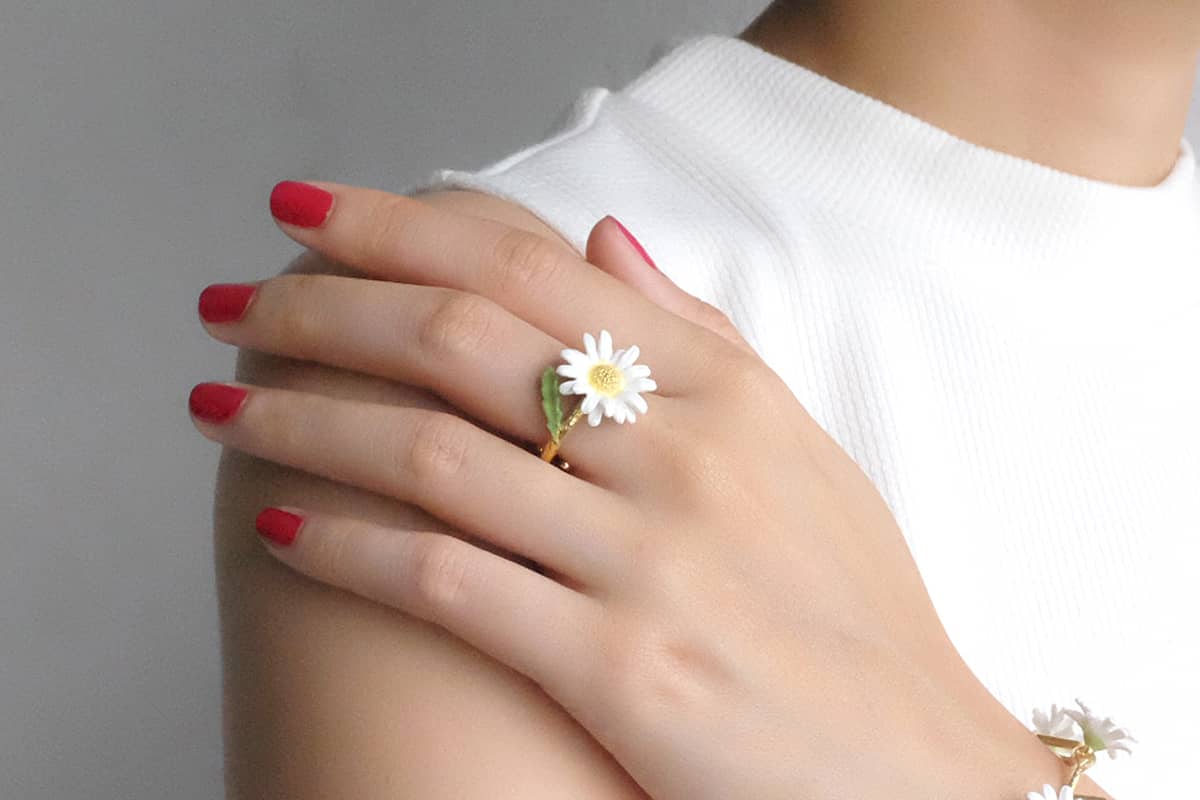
<point x="330" y="695"/>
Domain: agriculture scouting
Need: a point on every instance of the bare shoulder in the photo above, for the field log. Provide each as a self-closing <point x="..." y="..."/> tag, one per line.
<point x="330" y="695"/>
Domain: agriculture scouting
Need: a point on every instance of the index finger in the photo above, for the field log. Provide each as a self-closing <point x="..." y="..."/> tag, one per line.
<point x="399" y="238"/>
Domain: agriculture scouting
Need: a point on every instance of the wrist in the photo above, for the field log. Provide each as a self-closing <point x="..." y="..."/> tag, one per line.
<point x="986" y="753"/>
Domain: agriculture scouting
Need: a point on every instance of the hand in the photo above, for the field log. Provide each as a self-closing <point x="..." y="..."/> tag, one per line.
<point x="726" y="603"/>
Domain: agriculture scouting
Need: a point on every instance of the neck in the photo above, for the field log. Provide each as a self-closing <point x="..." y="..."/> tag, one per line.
<point x="1099" y="90"/>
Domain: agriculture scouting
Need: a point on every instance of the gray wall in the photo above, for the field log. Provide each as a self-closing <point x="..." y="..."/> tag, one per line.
<point x="139" y="140"/>
<point x="138" y="143"/>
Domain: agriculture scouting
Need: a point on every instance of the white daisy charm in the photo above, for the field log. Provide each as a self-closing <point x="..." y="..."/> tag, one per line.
<point x="1100" y="734"/>
<point x="1056" y="723"/>
<point x="1048" y="793"/>
<point x="610" y="382"/>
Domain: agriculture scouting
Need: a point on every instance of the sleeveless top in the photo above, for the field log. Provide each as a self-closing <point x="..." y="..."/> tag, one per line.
<point x="1009" y="351"/>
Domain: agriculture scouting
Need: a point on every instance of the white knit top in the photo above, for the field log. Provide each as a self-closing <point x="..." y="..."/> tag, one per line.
<point x="1009" y="351"/>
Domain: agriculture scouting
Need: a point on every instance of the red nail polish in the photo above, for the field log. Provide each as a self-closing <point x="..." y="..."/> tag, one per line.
<point x="300" y="204"/>
<point x="216" y="402"/>
<point x="636" y="244"/>
<point x="278" y="525"/>
<point x="225" y="302"/>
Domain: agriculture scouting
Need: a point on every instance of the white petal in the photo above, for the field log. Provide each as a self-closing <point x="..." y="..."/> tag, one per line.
<point x="637" y="371"/>
<point x="630" y="416"/>
<point x="567" y="387"/>
<point x="576" y="358"/>
<point x="589" y="342"/>
<point x="605" y="346"/>
<point x="627" y="357"/>
<point x="619" y="413"/>
<point x="589" y="403"/>
<point x="595" y="417"/>
<point x="608" y="404"/>
<point x="570" y="371"/>
<point x="637" y="401"/>
<point x="641" y="385"/>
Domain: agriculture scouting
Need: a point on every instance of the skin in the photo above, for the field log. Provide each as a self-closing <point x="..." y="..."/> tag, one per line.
<point x="328" y="694"/>
<point x="1095" y="89"/>
<point x="788" y="555"/>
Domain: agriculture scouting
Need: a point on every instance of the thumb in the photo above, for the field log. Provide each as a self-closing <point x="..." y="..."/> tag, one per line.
<point x="612" y="248"/>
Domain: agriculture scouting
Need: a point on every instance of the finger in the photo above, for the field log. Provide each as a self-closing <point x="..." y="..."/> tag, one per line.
<point x="614" y="249"/>
<point x="402" y="239"/>
<point x="530" y="622"/>
<point x="471" y="352"/>
<point x="466" y="477"/>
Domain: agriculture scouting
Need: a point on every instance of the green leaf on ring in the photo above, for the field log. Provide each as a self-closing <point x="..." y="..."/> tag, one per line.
<point x="552" y="402"/>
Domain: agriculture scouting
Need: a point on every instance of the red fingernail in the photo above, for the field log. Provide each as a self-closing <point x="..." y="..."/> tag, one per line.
<point x="300" y="204"/>
<point x="278" y="525"/>
<point x="216" y="402"/>
<point x="225" y="302"/>
<point x="636" y="244"/>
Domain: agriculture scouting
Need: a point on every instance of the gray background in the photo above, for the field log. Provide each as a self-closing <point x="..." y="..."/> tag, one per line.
<point x="139" y="142"/>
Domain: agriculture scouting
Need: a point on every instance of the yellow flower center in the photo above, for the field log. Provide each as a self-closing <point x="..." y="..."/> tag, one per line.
<point x="606" y="379"/>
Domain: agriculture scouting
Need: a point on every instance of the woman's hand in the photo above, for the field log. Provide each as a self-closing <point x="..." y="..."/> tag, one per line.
<point x="722" y="598"/>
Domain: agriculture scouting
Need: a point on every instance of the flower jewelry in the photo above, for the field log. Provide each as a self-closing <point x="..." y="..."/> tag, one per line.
<point x="1048" y="793"/>
<point x="610" y="382"/>
<point x="1100" y="734"/>
<point x="1057" y="723"/>
<point x="1057" y="730"/>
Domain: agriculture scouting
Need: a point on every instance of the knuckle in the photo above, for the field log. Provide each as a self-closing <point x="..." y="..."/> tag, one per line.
<point x="440" y="570"/>
<point x="712" y="316"/>
<point x="386" y="221"/>
<point x="524" y="261"/>
<point x="459" y="327"/>
<point x="283" y="431"/>
<point x="719" y="321"/>
<point x="663" y="572"/>
<point x="297" y="320"/>
<point x="330" y="554"/>
<point x="701" y="465"/>
<point x="742" y="378"/>
<point x="437" y="449"/>
<point x="661" y="676"/>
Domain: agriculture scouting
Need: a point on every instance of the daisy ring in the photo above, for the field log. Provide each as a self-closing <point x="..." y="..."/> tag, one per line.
<point x="611" y="384"/>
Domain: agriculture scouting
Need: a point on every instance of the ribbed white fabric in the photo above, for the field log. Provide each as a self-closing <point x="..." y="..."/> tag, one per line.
<point x="1009" y="351"/>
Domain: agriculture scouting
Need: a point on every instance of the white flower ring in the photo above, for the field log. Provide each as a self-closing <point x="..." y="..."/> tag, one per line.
<point x="610" y="382"/>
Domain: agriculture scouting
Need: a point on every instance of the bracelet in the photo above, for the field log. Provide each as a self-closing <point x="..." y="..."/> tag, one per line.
<point x="1055" y="731"/>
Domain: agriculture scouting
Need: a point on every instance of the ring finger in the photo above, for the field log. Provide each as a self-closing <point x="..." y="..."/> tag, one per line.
<point x="457" y="472"/>
<point x="476" y="355"/>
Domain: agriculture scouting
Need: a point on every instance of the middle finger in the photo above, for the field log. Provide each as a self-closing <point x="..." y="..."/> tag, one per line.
<point x="402" y="239"/>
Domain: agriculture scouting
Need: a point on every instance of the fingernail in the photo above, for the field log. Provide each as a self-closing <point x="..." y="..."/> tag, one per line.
<point x="300" y="204"/>
<point x="216" y="402"/>
<point x="225" y="302"/>
<point x="278" y="525"/>
<point x="636" y="244"/>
